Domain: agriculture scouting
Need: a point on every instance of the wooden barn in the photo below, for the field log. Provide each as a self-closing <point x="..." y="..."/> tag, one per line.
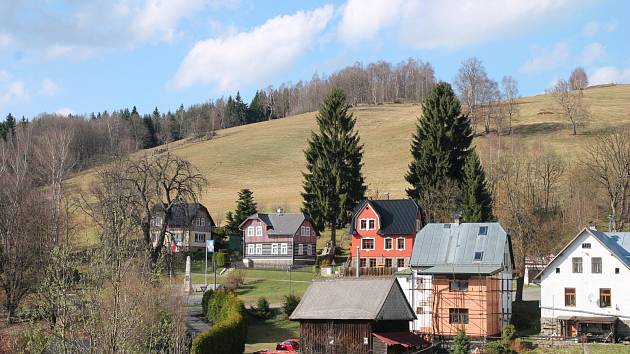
<point x="355" y="316"/>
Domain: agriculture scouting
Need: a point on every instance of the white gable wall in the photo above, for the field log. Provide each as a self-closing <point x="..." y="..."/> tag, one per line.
<point x="586" y="284"/>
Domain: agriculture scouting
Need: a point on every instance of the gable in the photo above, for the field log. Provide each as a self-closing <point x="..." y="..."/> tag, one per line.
<point x="396" y="306"/>
<point x="394" y="217"/>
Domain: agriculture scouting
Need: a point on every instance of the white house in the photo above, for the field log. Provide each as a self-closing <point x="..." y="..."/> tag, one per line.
<point x="585" y="289"/>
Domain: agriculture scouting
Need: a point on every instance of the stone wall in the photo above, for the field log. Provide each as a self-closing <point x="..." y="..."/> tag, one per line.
<point x="549" y="326"/>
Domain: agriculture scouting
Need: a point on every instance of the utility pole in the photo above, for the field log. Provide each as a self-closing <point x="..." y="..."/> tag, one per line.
<point x="358" y="261"/>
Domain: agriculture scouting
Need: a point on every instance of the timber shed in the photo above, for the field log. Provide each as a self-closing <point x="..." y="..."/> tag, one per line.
<point x="355" y="316"/>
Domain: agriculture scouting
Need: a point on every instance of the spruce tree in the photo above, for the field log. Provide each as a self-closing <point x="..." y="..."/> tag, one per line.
<point x="461" y="343"/>
<point x="439" y="147"/>
<point x="245" y="207"/>
<point x="333" y="183"/>
<point x="476" y="202"/>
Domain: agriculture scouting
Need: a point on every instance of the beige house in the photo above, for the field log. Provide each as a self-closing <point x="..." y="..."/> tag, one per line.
<point x="187" y="228"/>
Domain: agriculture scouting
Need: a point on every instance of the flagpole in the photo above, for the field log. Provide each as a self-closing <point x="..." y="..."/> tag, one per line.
<point x="214" y="266"/>
<point x="206" y="270"/>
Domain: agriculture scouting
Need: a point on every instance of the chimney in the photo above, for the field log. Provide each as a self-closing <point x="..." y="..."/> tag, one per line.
<point x="457" y="217"/>
<point x="280" y="211"/>
<point x="386" y="195"/>
<point x="591" y="225"/>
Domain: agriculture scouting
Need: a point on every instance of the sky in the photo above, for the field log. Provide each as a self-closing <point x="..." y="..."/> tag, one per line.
<point x="83" y="56"/>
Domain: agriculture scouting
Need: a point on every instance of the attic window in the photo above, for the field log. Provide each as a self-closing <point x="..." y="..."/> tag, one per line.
<point x="483" y="230"/>
<point x="586" y="245"/>
<point x="478" y="256"/>
<point x="447" y="226"/>
<point x="616" y="270"/>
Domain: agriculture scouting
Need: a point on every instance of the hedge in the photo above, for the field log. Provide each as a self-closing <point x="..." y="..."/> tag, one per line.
<point x="229" y="325"/>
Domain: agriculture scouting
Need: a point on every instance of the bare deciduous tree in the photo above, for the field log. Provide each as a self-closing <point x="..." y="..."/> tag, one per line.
<point x="571" y="104"/>
<point x="471" y="77"/>
<point x="578" y="79"/>
<point x="510" y="95"/>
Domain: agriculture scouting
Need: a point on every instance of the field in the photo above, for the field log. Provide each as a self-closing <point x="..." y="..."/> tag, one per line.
<point x="268" y="157"/>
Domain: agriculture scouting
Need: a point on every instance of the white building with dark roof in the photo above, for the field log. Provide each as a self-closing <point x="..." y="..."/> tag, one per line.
<point x="584" y="290"/>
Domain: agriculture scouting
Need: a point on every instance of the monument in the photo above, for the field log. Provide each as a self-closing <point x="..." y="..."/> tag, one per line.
<point x="187" y="283"/>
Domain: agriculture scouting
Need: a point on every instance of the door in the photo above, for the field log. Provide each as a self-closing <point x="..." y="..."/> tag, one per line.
<point x="572" y="329"/>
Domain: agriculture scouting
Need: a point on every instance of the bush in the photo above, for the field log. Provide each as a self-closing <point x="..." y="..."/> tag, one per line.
<point x="290" y="303"/>
<point x="262" y="309"/>
<point x="502" y="346"/>
<point x="229" y="326"/>
<point x="205" y="299"/>
<point x="461" y="343"/>
<point x="221" y="258"/>
<point x="234" y="280"/>
<point x="324" y="263"/>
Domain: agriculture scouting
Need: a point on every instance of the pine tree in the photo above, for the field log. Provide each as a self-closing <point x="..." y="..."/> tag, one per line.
<point x="476" y="203"/>
<point x="245" y="207"/>
<point x="149" y="139"/>
<point x="439" y="147"/>
<point x="333" y="183"/>
<point x="461" y="343"/>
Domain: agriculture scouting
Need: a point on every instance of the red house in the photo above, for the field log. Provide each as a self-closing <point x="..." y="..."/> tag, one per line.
<point x="384" y="232"/>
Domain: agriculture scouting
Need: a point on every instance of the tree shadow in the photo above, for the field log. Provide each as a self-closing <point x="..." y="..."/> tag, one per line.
<point x="538" y="128"/>
<point x="248" y="287"/>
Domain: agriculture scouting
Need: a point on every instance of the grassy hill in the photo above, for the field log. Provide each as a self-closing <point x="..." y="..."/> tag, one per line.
<point x="268" y="157"/>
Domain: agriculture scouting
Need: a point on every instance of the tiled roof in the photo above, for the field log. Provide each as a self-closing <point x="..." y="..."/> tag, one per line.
<point x="397" y="216"/>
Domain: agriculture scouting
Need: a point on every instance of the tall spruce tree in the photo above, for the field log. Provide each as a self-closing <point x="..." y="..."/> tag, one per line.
<point x="461" y="343"/>
<point x="439" y="149"/>
<point x="245" y="206"/>
<point x="476" y="201"/>
<point x="333" y="183"/>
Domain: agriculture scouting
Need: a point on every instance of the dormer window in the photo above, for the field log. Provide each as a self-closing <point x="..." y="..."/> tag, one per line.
<point x="372" y="224"/>
<point x="483" y="230"/>
<point x="478" y="256"/>
<point x="367" y="224"/>
<point x="447" y="226"/>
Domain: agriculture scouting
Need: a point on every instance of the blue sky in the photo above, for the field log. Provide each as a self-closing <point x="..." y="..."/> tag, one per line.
<point x="86" y="56"/>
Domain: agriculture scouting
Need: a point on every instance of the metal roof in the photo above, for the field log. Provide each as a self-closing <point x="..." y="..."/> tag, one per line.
<point x="460" y="248"/>
<point x="182" y="214"/>
<point x="281" y="224"/>
<point x="397" y="216"/>
<point x="354" y="299"/>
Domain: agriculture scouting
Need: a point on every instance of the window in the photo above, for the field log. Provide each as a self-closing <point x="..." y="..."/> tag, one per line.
<point x="372" y="262"/>
<point x="309" y="249"/>
<point x="200" y="221"/>
<point x="604" y="298"/>
<point x="483" y="230"/>
<point x="577" y="264"/>
<point x="303" y="231"/>
<point x="596" y="265"/>
<point x="389" y="243"/>
<point x="274" y="248"/>
<point x="372" y="224"/>
<point x="363" y="224"/>
<point x="259" y="248"/>
<point x="157" y="221"/>
<point x="458" y="285"/>
<point x="363" y="263"/>
<point x="308" y="231"/>
<point x="447" y="226"/>
<point x="300" y="250"/>
<point x="388" y="263"/>
<point x="200" y="238"/>
<point x="251" y="249"/>
<point x="400" y="243"/>
<point x="258" y="230"/>
<point x="478" y="256"/>
<point x="367" y="244"/>
<point x="616" y="270"/>
<point x="400" y="262"/>
<point x="557" y="270"/>
<point x="586" y="245"/>
<point x="283" y="248"/>
<point x="569" y="297"/>
<point x="458" y="316"/>
<point x="250" y="231"/>
<point x="419" y="310"/>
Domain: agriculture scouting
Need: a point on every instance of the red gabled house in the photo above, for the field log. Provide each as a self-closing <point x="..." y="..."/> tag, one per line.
<point x="384" y="232"/>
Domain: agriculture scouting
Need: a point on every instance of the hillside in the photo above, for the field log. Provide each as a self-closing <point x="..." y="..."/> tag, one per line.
<point x="268" y="157"/>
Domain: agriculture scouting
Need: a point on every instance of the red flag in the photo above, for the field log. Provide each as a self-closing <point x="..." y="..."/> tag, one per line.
<point x="173" y="246"/>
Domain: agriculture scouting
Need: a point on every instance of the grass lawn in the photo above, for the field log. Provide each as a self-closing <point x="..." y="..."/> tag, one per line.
<point x="592" y="348"/>
<point x="265" y="334"/>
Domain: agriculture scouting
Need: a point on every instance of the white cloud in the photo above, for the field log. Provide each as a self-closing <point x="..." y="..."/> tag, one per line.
<point x="65" y="111"/>
<point x="593" y="27"/>
<point x="15" y="91"/>
<point x="591" y="53"/>
<point x="451" y="24"/>
<point x="547" y="58"/>
<point x="609" y="74"/>
<point x="48" y="87"/>
<point x="4" y="75"/>
<point x="255" y="56"/>
<point x="160" y="17"/>
<point x="5" y="39"/>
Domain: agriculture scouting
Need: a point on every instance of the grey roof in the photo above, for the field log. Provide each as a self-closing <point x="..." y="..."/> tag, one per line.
<point x="280" y="224"/>
<point x="354" y="299"/>
<point x="397" y="216"/>
<point x="182" y="214"/>
<point x="451" y="248"/>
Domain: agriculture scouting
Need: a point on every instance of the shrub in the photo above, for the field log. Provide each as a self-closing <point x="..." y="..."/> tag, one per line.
<point x="221" y="258"/>
<point x="461" y="343"/>
<point x="234" y="280"/>
<point x="205" y="299"/>
<point x="502" y="346"/>
<point x="324" y="263"/>
<point x="262" y="309"/>
<point x="290" y="303"/>
<point x="229" y="326"/>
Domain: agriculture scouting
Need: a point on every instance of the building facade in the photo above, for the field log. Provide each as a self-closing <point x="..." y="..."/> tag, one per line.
<point x="187" y="227"/>
<point x="460" y="277"/>
<point x="279" y="239"/>
<point x="384" y="232"/>
<point x="584" y="289"/>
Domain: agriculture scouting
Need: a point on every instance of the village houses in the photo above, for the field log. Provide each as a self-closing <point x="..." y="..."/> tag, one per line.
<point x="187" y="229"/>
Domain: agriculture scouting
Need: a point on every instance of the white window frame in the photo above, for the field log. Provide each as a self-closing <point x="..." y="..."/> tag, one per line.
<point x="275" y="248"/>
<point x="371" y="221"/>
<point x="250" y="231"/>
<point x="259" y="248"/>
<point x="200" y="221"/>
<point x="300" y="250"/>
<point x="303" y="231"/>
<point x="157" y="221"/>
<point x="259" y="231"/>
<point x="198" y="238"/>
<point x="308" y="231"/>
<point x="251" y="249"/>
<point x="361" y="227"/>
<point x="385" y="244"/>
<point x="404" y="243"/>
<point x="309" y="250"/>
<point x="284" y="248"/>
<point x="373" y="243"/>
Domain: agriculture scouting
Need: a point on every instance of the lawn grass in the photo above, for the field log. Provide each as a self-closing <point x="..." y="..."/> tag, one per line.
<point x="578" y="349"/>
<point x="265" y="334"/>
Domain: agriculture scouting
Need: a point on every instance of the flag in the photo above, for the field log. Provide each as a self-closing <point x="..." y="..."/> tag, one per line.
<point x="173" y="246"/>
<point x="210" y="246"/>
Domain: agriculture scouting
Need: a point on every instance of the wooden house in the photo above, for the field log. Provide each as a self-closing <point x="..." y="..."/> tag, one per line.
<point x="279" y="239"/>
<point x="188" y="226"/>
<point x="384" y="232"/>
<point x="355" y="316"/>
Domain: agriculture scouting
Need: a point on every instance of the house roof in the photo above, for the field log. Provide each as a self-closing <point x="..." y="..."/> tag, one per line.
<point x="618" y="243"/>
<point x="182" y="214"/>
<point x="341" y="299"/>
<point x="452" y="248"/>
<point x="280" y="224"/>
<point x="397" y="216"/>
